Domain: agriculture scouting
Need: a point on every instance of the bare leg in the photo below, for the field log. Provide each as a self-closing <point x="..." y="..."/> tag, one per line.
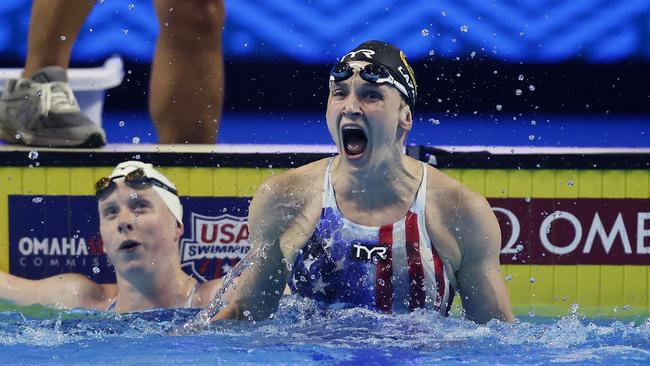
<point x="186" y="91"/>
<point x="50" y="20"/>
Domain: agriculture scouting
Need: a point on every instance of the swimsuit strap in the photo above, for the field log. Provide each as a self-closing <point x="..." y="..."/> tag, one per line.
<point x="329" y="200"/>
<point x="420" y="201"/>
<point x="112" y="305"/>
<point x="189" y="298"/>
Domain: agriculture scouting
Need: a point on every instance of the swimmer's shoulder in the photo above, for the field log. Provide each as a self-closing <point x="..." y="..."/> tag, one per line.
<point x="450" y="195"/>
<point x="78" y="291"/>
<point x="283" y="198"/>
<point x="297" y="183"/>
<point x="457" y="218"/>
<point x="206" y="292"/>
<point x="468" y="212"/>
<point x="305" y="175"/>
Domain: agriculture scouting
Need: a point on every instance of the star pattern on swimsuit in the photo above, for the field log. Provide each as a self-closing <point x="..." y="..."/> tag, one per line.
<point x="339" y="265"/>
<point x="319" y="286"/>
<point x="308" y="263"/>
<point x="328" y="243"/>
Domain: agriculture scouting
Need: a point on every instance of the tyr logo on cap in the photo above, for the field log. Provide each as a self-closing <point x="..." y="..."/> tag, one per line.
<point x="365" y="52"/>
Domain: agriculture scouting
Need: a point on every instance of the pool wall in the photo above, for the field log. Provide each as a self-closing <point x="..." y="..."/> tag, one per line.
<point x="575" y="223"/>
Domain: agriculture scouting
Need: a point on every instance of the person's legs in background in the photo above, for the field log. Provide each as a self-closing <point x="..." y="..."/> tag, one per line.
<point x="40" y="109"/>
<point x="53" y="29"/>
<point x="187" y="79"/>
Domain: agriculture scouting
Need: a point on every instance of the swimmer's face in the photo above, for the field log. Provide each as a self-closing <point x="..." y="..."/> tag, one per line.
<point x="138" y="230"/>
<point x="367" y="121"/>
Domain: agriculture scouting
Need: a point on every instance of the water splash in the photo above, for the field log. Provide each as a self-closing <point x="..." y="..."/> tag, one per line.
<point x="304" y="332"/>
<point x="218" y="303"/>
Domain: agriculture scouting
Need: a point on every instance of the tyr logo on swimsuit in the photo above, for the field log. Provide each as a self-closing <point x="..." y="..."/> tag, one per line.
<point x="367" y="253"/>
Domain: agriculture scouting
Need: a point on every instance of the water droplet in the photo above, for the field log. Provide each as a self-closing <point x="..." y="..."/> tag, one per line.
<point x="75" y="236"/>
<point x="247" y="313"/>
<point x="63" y="38"/>
<point x="531" y="137"/>
<point x="574" y="308"/>
<point x="464" y="28"/>
<point x="434" y="121"/>
<point x="444" y="13"/>
<point x="570" y="183"/>
<point x="131" y="6"/>
<point x="96" y="270"/>
<point x="531" y="87"/>
<point x="135" y="140"/>
<point x="519" y="248"/>
<point x="121" y="123"/>
<point x="134" y="195"/>
<point x="457" y="228"/>
<point x="509" y="278"/>
<point x="18" y="136"/>
<point x="473" y="54"/>
<point x="425" y="32"/>
<point x="532" y="280"/>
<point x="33" y="155"/>
<point x="37" y="199"/>
<point x="527" y="199"/>
<point x="125" y="31"/>
<point x="518" y="92"/>
<point x="499" y="107"/>
<point x="533" y="122"/>
<point x="520" y="78"/>
<point x="432" y="52"/>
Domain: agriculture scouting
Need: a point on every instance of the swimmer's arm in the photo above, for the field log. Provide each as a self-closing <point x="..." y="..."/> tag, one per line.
<point x="260" y="286"/>
<point x="482" y="287"/>
<point x="69" y="290"/>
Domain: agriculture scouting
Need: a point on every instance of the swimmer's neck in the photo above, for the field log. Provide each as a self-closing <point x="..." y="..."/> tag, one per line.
<point x="162" y="289"/>
<point x="389" y="182"/>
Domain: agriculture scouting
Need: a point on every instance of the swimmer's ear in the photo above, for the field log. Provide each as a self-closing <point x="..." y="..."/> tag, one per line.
<point x="405" y="117"/>
<point x="180" y="230"/>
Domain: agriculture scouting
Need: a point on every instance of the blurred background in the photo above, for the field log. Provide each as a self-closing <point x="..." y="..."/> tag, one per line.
<point x="490" y="73"/>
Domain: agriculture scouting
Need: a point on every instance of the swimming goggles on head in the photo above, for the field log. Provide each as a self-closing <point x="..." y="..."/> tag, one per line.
<point x="136" y="179"/>
<point x="372" y="73"/>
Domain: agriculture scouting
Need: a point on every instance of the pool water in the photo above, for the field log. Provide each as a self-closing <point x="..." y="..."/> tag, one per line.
<point x="303" y="333"/>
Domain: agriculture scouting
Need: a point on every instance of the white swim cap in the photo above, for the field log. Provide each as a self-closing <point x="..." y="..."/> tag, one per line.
<point x="171" y="200"/>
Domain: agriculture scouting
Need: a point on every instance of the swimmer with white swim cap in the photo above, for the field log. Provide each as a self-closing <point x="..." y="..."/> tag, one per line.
<point x="141" y="224"/>
<point x="371" y="227"/>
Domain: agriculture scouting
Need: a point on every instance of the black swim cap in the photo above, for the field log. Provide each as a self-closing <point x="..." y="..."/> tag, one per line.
<point x="391" y="57"/>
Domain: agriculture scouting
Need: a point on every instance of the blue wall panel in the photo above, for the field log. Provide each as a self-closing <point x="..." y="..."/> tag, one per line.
<point x="540" y="31"/>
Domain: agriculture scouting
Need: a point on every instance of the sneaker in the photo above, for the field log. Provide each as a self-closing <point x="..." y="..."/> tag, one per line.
<point x="42" y="111"/>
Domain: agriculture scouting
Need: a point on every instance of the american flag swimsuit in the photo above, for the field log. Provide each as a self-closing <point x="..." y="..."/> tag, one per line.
<point x="390" y="268"/>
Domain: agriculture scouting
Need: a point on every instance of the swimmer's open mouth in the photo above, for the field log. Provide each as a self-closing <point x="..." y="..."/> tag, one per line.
<point x="128" y="244"/>
<point x="354" y="141"/>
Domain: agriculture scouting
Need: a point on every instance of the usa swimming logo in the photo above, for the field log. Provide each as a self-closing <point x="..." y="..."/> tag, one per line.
<point x="215" y="246"/>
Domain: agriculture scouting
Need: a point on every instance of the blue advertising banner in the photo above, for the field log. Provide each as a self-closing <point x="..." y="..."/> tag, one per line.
<point x="50" y="235"/>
